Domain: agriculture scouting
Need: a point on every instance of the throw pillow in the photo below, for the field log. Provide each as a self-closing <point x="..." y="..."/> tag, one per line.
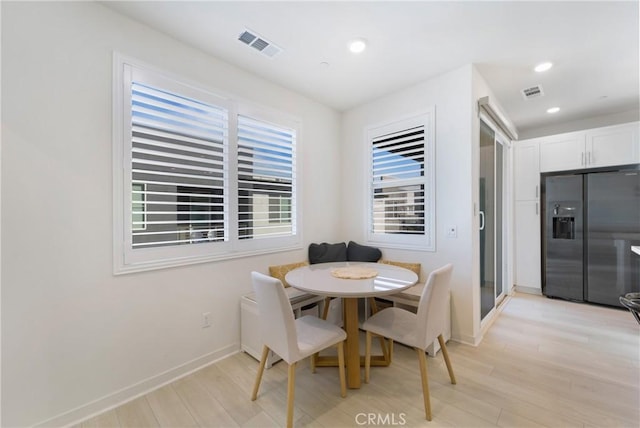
<point x="325" y="253"/>
<point x="362" y="253"/>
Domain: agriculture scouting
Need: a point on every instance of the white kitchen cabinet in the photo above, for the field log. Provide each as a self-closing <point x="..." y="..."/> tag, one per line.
<point x="593" y="148"/>
<point x="527" y="170"/>
<point x="600" y="147"/>
<point x="613" y="145"/>
<point x="562" y="152"/>
<point x="527" y="216"/>
<point x="527" y="246"/>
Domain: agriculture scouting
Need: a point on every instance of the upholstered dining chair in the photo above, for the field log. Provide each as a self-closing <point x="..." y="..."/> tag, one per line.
<point x="416" y="330"/>
<point x="292" y="339"/>
<point x="631" y="301"/>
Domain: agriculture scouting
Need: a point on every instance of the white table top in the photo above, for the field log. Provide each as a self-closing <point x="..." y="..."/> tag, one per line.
<point x="636" y="249"/>
<point x="317" y="279"/>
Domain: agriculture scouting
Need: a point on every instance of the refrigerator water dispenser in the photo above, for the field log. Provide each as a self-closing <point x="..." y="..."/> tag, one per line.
<point x="564" y="228"/>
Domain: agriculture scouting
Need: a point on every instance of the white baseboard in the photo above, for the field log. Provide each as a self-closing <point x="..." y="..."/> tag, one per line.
<point x="528" y="290"/>
<point x="467" y="340"/>
<point x="129" y="393"/>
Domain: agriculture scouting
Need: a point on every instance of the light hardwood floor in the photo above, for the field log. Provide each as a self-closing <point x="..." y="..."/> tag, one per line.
<point x="542" y="363"/>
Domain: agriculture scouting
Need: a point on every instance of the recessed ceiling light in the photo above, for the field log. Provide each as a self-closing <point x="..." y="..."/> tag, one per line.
<point x="357" y="45"/>
<point x="543" y="67"/>
<point x="553" y="110"/>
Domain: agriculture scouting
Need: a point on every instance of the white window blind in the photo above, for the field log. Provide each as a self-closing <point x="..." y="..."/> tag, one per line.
<point x="178" y="169"/>
<point x="198" y="176"/>
<point x="266" y="179"/>
<point x="401" y="183"/>
<point x="398" y="189"/>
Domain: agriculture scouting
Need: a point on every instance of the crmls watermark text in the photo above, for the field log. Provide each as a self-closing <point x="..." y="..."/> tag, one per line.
<point x="381" y="419"/>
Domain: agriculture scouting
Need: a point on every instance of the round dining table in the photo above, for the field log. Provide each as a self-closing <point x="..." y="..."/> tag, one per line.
<point x="351" y="281"/>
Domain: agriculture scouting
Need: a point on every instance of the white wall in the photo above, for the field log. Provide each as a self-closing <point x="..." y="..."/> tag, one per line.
<point x="450" y="93"/>
<point x="73" y="333"/>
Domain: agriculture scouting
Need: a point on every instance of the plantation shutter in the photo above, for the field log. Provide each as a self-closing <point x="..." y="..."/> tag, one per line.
<point x="178" y="174"/>
<point x="266" y="177"/>
<point x="398" y="169"/>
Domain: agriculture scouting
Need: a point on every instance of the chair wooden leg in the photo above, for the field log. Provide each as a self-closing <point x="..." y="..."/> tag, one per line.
<point x="291" y="383"/>
<point x="325" y="310"/>
<point x="367" y="358"/>
<point x="383" y="347"/>
<point x="325" y="314"/>
<point x="373" y="304"/>
<point x="341" y="370"/>
<point x="422" y="359"/>
<point x="447" y="361"/>
<point x="263" y="361"/>
<point x="386" y="350"/>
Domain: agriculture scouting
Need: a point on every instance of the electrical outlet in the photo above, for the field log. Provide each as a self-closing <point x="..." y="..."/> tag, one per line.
<point x="206" y="319"/>
<point x="452" y="232"/>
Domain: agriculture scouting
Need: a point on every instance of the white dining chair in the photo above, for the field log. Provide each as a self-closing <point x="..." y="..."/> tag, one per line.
<point x="292" y="339"/>
<point x="417" y="330"/>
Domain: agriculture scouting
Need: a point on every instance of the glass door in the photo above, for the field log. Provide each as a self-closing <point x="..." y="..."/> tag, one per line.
<point x="491" y="219"/>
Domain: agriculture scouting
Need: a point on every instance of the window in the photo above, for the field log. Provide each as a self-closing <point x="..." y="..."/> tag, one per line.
<point x="401" y="183"/>
<point x="197" y="177"/>
<point x="178" y="156"/>
<point x="265" y="179"/>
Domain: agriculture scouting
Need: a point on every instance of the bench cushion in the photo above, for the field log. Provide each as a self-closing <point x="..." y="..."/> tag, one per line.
<point x="295" y="296"/>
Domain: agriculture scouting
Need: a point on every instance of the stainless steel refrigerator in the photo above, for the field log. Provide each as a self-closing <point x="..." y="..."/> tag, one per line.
<point x="589" y="223"/>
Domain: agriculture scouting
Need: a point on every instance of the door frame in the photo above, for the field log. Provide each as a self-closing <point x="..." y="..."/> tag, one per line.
<point x="507" y="219"/>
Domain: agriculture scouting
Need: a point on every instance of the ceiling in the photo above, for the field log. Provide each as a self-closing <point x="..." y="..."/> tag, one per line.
<point x="593" y="46"/>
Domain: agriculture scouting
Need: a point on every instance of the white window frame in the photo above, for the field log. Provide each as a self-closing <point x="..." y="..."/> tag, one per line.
<point x="257" y="246"/>
<point x="129" y="260"/>
<point x="421" y="242"/>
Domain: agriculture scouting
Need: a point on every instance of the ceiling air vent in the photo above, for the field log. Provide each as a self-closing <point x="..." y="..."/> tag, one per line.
<point x="532" y="92"/>
<point x="259" y="43"/>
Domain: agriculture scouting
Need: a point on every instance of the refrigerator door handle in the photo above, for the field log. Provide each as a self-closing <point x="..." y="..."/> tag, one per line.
<point x="481" y="220"/>
<point x="582" y="159"/>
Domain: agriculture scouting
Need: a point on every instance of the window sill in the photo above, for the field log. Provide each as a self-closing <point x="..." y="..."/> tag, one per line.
<point x="123" y="269"/>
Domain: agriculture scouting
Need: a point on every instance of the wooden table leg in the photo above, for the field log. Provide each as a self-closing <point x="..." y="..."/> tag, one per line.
<point x="353" y="342"/>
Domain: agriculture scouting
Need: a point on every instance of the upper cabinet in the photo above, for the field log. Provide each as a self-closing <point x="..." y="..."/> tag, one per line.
<point x="608" y="146"/>
<point x="562" y="152"/>
<point x="613" y="145"/>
